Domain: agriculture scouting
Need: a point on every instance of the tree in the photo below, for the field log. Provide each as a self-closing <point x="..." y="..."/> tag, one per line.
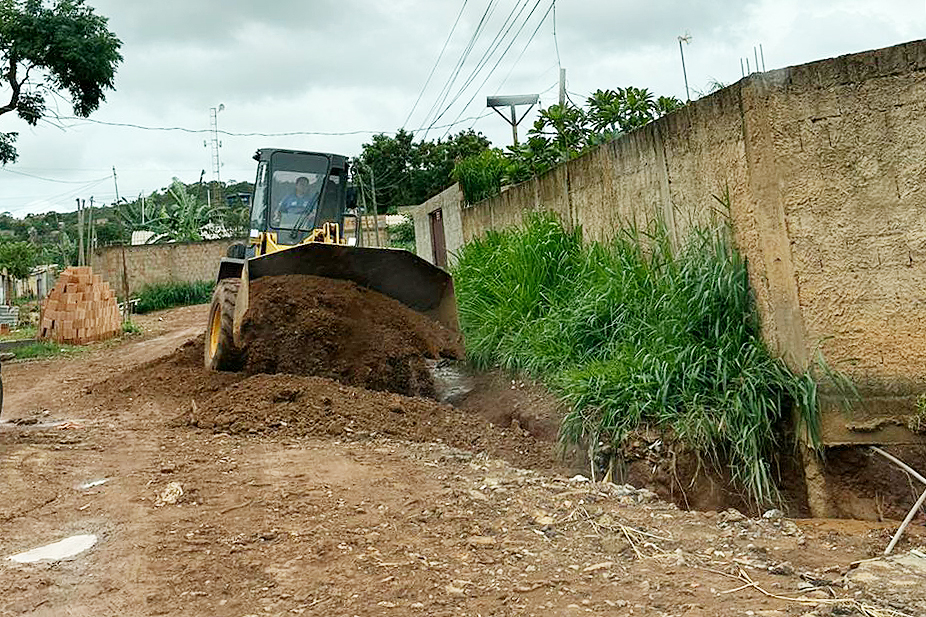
<point x="17" y="258"/>
<point x="47" y="51"/>
<point x="561" y="133"/>
<point x="185" y="217"/>
<point x="406" y="172"/>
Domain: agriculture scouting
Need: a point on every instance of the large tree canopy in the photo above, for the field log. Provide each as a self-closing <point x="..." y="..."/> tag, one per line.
<point x="61" y="48"/>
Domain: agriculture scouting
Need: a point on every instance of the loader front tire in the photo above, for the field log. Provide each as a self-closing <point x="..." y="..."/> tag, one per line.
<point x="221" y="353"/>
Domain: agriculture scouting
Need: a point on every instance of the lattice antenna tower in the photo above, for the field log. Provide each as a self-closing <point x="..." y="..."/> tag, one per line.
<point x="216" y="144"/>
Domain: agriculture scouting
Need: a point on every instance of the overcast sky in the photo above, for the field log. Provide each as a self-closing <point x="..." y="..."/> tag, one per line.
<point x="338" y="71"/>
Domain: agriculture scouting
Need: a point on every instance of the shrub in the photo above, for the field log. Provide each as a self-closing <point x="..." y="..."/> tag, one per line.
<point x="480" y="176"/>
<point x="632" y="334"/>
<point x="402" y="235"/>
<point x="168" y="295"/>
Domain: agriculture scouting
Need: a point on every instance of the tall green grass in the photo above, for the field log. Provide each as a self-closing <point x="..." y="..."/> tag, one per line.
<point x="169" y="295"/>
<point x="633" y="333"/>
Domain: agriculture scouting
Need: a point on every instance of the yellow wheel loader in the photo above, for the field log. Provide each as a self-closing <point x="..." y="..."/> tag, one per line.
<point x="298" y="209"/>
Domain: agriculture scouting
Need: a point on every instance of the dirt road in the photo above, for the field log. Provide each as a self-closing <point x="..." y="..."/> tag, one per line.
<point x="354" y="521"/>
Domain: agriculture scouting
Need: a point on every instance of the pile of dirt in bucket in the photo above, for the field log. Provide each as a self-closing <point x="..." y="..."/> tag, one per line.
<point x="309" y="325"/>
<point x="288" y="405"/>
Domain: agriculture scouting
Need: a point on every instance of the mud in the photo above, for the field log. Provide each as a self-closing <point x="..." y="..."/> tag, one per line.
<point x="313" y="326"/>
<point x="292" y="406"/>
<point x="179" y="375"/>
<point x="863" y="485"/>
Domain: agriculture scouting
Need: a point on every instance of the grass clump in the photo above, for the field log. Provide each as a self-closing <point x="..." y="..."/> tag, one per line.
<point x="633" y="333"/>
<point x="44" y="349"/>
<point x="168" y="295"/>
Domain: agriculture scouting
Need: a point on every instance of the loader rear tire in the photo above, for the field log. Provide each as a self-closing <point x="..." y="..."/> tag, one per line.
<point x="221" y="353"/>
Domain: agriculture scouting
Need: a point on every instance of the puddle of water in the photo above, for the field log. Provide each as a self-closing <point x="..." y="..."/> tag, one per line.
<point x="91" y="483"/>
<point x="57" y="551"/>
<point x="452" y="382"/>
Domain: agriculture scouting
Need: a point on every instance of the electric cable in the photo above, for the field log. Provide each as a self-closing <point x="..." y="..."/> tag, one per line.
<point x="500" y="58"/>
<point x="460" y="93"/>
<point x="445" y="91"/>
<point x="22" y="173"/>
<point x="436" y="62"/>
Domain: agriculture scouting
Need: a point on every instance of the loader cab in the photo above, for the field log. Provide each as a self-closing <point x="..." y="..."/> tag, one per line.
<point x="295" y="195"/>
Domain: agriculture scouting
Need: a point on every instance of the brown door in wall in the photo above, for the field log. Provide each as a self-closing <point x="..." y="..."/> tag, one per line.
<point x="438" y="243"/>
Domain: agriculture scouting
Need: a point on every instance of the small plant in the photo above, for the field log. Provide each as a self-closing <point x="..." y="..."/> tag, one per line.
<point x="130" y="327"/>
<point x="917" y="422"/>
<point x="169" y="295"/>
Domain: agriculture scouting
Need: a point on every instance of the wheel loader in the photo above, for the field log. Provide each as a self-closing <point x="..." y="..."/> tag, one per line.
<point x="298" y="209"/>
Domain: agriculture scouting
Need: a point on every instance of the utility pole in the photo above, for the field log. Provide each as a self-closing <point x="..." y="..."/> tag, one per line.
<point x="375" y="213"/>
<point x="89" y="232"/>
<point x="115" y="184"/>
<point x="80" y="234"/>
<point x="363" y="207"/>
<point x="562" y="87"/>
<point x="681" y="50"/>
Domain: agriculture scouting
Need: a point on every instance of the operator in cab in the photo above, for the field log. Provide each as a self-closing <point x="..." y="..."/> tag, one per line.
<point x="297" y="206"/>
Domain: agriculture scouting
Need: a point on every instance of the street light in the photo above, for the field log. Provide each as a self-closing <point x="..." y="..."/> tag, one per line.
<point x="681" y="50"/>
<point x="512" y="101"/>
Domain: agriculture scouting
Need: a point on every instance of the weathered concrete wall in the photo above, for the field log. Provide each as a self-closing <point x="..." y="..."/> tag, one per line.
<point x="150" y="264"/>
<point x="450" y="203"/>
<point x="825" y="168"/>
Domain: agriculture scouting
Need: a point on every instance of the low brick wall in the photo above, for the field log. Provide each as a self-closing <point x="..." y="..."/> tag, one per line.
<point x="129" y="269"/>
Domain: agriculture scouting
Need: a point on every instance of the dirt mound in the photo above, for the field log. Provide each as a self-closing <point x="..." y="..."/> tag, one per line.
<point x="308" y="325"/>
<point x="315" y="406"/>
<point x="179" y="376"/>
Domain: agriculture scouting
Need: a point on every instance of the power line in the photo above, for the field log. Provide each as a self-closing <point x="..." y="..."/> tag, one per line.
<point x="493" y="47"/>
<point x="22" y="173"/>
<point x="445" y="91"/>
<point x="479" y="68"/>
<point x="230" y="133"/>
<point x="436" y="62"/>
<point x="507" y="49"/>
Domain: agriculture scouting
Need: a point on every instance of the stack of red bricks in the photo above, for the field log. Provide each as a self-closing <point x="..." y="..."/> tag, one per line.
<point x="80" y="309"/>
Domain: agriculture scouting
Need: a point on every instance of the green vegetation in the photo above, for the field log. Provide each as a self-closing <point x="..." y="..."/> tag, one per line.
<point x="481" y="176"/>
<point x="406" y="172"/>
<point x="19" y="334"/>
<point x="561" y="133"/>
<point x="402" y="236"/>
<point x="130" y="327"/>
<point x="44" y="349"/>
<point x="62" y="51"/>
<point x="632" y="334"/>
<point x="169" y="295"/>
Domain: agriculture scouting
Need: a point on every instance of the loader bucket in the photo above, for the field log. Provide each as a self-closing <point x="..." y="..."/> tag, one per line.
<point x="396" y="273"/>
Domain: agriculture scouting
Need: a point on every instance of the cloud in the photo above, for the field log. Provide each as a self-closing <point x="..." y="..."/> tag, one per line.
<point x="349" y="65"/>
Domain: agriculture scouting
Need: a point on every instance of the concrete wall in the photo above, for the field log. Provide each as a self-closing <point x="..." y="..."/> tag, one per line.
<point x="450" y="203"/>
<point x="825" y="167"/>
<point x="150" y="264"/>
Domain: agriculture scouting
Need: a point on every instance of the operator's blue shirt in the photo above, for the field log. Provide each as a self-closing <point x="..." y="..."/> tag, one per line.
<point x="296" y="203"/>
